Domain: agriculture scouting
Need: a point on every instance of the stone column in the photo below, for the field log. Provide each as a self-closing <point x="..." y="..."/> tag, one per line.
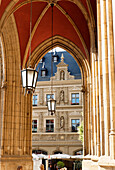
<point x="100" y="78"/>
<point x="94" y="103"/>
<point x="106" y="103"/>
<point x="97" y="107"/>
<point x="92" y="115"/>
<point x="89" y="118"/>
<point x="111" y="61"/>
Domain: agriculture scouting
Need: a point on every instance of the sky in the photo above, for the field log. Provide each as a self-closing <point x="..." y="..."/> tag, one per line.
<point x="57" y="49"/>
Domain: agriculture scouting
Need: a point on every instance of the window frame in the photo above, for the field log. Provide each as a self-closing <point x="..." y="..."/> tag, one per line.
<point x="49" y="131"/>
<point x="43" y="71"/>
<point x="34" y="124"/>
<point x="34" y="103"/>
<point x="76" y="129"/>
<point x="76" y="98"/>
<point x="55" y="61"/>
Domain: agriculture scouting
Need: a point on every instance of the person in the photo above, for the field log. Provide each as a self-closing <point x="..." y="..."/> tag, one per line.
<point x="19" y="168"/>
<point x="42" y="167"/>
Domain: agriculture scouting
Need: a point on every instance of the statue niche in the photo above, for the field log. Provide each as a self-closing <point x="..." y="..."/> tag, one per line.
<point x="62" y="75"/>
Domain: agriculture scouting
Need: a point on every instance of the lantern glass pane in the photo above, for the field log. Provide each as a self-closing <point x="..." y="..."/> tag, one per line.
<point x="30" y="78"/>
<point x="53" y="105"/>
<point x="24" y="78"/>
<point x="35" y="79"/>
<point x="49" y="105"/>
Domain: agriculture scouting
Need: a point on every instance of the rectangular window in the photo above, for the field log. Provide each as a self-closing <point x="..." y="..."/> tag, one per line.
<point x="48" y="97"/>
<point x="75" y="98"/>
<point x="75" y="123"/>
<point x="50" y="125"/>
<point x="34" y="126"/>
<point x="35" y="100"/>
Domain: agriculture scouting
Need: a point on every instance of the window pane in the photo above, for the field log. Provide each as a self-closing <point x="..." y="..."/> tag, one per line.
<point x="35" y="96"/>
<point x="75" y="123"/>
<point x="50" y="125"/>
<point x="77" y="95"/>
<point x="73" y="95"/>
<point x="34" y="126"/>
<point x="43" y="73"/>
<point x="35" y="100"/>
<point x="75" y="98"/>
<point x="55" y="59"/>
<point x="48" y="97"/>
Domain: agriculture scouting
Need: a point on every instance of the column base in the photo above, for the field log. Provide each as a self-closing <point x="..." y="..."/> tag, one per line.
<point x="90" y="163"/>
<point x="98" y="163"/>
<point x="13" y="162"/>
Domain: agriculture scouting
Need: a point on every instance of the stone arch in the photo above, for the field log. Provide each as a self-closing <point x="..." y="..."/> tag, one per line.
<point x="79" y="151"/>
<point x="84" y="66"/>
<point x="57" y="151"/>
<point x="40" y="151"/>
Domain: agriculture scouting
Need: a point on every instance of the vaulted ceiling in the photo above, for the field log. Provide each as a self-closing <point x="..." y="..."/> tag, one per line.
<point x="73" y="20"/>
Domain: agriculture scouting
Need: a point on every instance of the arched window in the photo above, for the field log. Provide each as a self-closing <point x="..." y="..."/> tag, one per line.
<point x="78" y="152"/>
<point x="57" y="152"/>
<point x="39" y="152"/>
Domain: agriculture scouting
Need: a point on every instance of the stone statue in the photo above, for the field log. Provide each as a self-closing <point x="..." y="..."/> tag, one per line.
<point x="61" y="122"/>
<point x="62" y="75"/>
<point x="62" y="95"/>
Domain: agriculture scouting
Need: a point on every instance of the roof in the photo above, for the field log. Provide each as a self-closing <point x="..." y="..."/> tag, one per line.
<point x="73" y="67"/>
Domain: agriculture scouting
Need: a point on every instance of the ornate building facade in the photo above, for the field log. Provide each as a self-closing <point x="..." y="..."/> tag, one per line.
<point x="58" y="133"/>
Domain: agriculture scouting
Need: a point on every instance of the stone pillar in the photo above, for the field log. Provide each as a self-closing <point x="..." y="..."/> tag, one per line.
<point x="89" y="118"/>
<point x="106" y="103"/>
<point x="111" y="61"/>
<point x="92" y="115"/>
<point x="97" y="107"/>
<point x="94" y="103"/>
<point x="100" y="78"/>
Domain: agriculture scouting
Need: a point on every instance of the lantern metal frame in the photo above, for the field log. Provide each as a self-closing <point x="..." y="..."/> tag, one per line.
<point x="51" y="101"/>
<point x="51" y="106"/>
<point x="34" y="78"/>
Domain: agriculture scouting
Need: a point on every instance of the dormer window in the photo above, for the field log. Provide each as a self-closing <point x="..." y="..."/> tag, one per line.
<point x="43" y="73"/>
<point x="55" y="58"/>
<point x="43" y="70"/>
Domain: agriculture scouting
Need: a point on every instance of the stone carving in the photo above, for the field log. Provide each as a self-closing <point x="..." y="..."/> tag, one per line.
<point x="62" y="95"/>
<point x="62" y="122"/>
